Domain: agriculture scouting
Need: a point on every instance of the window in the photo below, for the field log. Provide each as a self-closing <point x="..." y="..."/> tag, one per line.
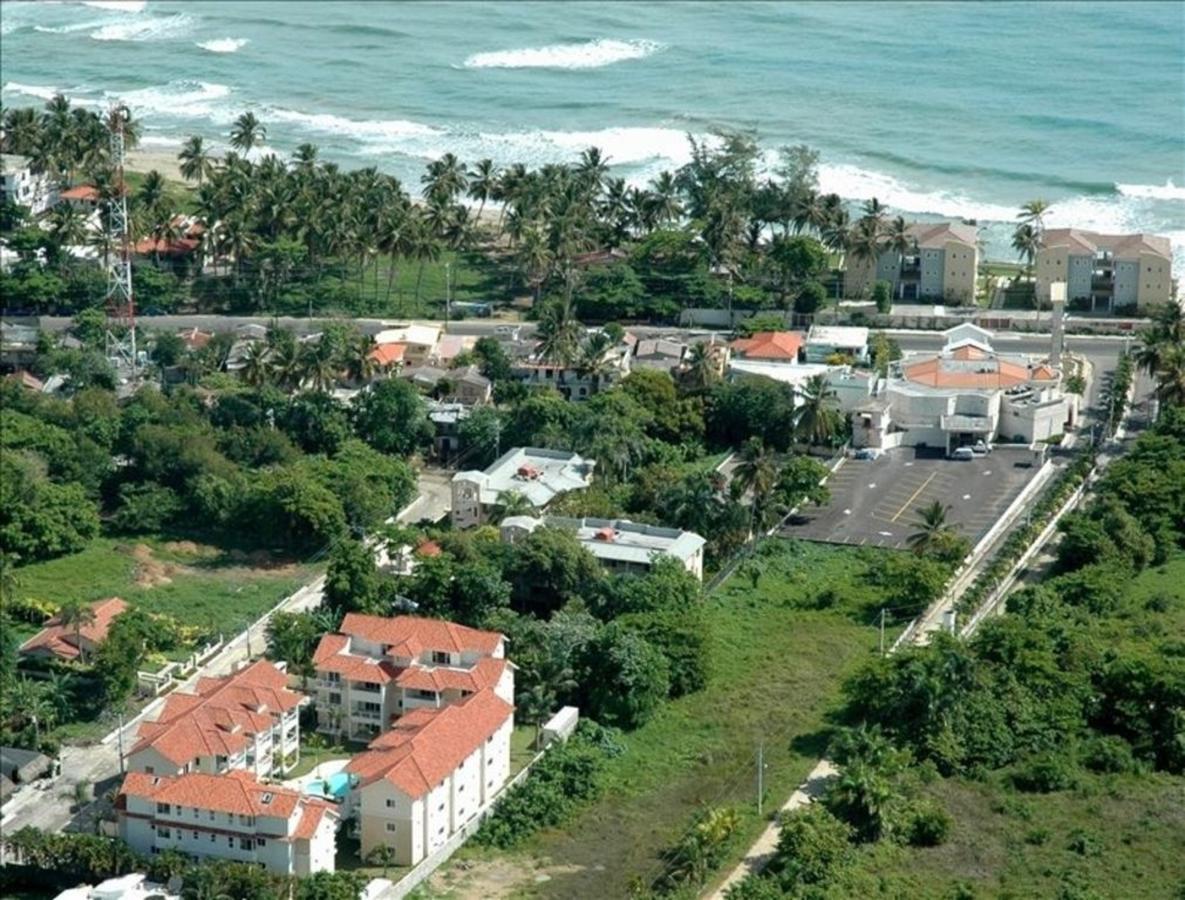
<point x="195" y="835"/>
<point x="335" y="698"/>
<point x="440" y="658"/>
<point x="163" y="832"/>
<point x="211" y="815"/>
<point x="149" y="770"/>
<point x="196" y="812"/>
<point x="230" y="840"/>
<point x="260" y="842"/>
<point x="245" y="843"/>
<point x="390" y="827"/>
<point x="162" y="808"/>
<point x="390" y="803"/>
<point x="213" y="836"/>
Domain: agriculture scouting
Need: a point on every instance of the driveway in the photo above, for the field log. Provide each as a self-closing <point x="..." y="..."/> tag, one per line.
<point x="878" y="502"/>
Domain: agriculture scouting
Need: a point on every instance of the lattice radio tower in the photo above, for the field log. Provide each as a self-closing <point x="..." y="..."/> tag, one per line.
<point x="121" y="308"/>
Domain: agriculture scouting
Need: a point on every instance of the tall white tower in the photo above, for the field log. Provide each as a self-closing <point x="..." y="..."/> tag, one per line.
<point x="1057" y="300"/>
<point x="121" y="308"/>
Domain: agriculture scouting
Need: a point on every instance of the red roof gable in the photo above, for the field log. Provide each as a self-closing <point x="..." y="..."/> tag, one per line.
<point x="60" y="640"/>
<point x="233" y="792"/>
<point x="412" y="635"/>
<point x="770" y="345"/>
<point x="388" y="354"/>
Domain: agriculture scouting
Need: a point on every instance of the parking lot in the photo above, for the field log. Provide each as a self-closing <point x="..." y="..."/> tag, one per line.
<point x="878" y="502"/>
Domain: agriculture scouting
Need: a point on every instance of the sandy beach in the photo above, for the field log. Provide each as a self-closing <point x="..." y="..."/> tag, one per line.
<point x="163" y="161"/>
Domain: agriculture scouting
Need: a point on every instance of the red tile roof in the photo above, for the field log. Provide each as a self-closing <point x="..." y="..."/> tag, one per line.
<point x="86" y="192"/>
<point x="222" y="717"/>
<point x="993" y="375"/>
<point x="27" y="380"/>
<point x="412" y="635"/>
<point x="770" y="345"/>
<point x="486" y="673"/>
<point x="59" y="639"/>
<point x="388" y="354"/>
<point x="314" y="811"/>
<point x="426" y="745"/>
<point x="428" y="548"/>
<point x="233" y="792"/>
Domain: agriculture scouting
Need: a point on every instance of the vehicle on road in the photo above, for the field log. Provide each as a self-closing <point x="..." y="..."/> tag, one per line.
<point x="962" y="453"/>
<point x="868" y="453"/>
<point x="979" y="448"/>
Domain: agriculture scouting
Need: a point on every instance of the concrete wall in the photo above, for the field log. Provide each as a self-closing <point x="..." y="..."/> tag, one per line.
<point x="933" y="266"/>
<point x="960" y="267"/>
<point x="1155" y="281"/>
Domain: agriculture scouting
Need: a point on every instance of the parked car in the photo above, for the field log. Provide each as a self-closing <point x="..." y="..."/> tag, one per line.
<point x="868" y="453"/>
<point x="962" y="453"/>
<point x="979" y="448"/>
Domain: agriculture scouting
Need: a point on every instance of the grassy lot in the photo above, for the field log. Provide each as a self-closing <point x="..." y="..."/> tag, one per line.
<point x="777" y="665"/>
<point x="1121" y="835"/>
<point x="201" y="586"/>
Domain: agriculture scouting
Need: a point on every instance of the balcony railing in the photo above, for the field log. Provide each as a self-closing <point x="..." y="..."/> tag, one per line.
<point x="367" y="687"/>
<point x="370" y="714"/>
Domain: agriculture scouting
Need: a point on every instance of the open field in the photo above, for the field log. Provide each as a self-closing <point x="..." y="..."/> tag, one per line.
<point x="777" y="663"/>
<point x="197" y="585"/>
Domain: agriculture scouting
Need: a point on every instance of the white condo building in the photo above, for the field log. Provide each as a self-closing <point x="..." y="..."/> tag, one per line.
<point x="537" y="474"/>
<point x="621" y="546"/>
<point x="230" y="816"/>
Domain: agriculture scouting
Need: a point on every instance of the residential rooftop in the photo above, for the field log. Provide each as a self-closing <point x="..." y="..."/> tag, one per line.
<point x="1125" y="246"/>
<point x="62" y="640"/>
<point x="537" y="473"/>
<point x="783" y="345"/>
<point x="838" y="335"/>
<point x="619" y="540"/>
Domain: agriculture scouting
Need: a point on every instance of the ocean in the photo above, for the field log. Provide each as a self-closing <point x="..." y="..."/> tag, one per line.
<point x="938" y="109"/>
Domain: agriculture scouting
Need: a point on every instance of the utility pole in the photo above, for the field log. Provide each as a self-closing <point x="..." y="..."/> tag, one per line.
<point x="448" y="290"/>
<point x="120" y="734"/>
<point x="760" y="774"/>
<point x="882" y="631"/>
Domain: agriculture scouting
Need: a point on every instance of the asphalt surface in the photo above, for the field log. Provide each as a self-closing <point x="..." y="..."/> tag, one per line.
<point x="878" y="502"/>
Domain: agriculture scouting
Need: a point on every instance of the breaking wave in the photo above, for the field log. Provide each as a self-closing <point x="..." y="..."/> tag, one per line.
<point x="144" y="29"/>
<point x="587" y="55"/>
<point x="223" y="45"/>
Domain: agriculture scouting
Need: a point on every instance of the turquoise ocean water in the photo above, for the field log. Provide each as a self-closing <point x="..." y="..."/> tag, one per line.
<point x="939" y="109"/>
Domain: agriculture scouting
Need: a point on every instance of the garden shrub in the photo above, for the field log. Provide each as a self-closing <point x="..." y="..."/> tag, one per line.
<point x="1045" y="774"/>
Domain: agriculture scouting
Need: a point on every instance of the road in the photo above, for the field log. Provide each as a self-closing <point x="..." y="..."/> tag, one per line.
<point x="48" y="804"/>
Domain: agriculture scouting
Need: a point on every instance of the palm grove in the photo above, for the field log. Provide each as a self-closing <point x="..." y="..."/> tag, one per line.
<point x="304" y="235"/>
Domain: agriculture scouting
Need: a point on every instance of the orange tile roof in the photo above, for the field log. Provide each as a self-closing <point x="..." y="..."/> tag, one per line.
<point x="769" y="345"/>
<point x="233" y="792"/>
<point x="81" y="192"/>
<point x="968" y="352"/>
<point x="485" y="673"/>
<point x="412" y="635"/>
<point x="314" y="812"/>
<point x="222" y="717"/>
<point x="427" y="744"/>
<point x="59" y="639"/>
<point x="26" y="380"/>
<point x="428" y="548"/>
<point x="994" y="375"/>
<point x="388" y="354"/>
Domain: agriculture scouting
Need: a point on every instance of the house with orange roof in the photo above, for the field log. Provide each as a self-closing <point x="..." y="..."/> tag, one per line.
<point x="432" y="773"/>
<point x="1105" y="272"/>
<point x="83" y="197"/>
<point x="777" y="346"/>
<point x="232" y="816"/>
<point x="376" y="670"/>
<point x="388" y="356"/>
<point x="965" y="394"/>
<point x="247" y="721"/>
<point x="69" y="643"/>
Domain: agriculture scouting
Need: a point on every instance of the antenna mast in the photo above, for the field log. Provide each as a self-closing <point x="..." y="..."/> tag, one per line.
<point x="121" y="309"/>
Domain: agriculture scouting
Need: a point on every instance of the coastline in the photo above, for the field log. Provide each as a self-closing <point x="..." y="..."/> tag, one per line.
<point x="144" y="161"/>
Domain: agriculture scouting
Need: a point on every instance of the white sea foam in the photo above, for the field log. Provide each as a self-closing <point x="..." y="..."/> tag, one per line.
<point x="152" y="29"/>
<point x="161" y="141"/>
<point x="361" y="130"/>
<point x="188" y="99"/>
<point x="70" y="29"/>
<point x="855" y="183"/>
<point x="132" y="6"/>
<point x="39" y="91"/>
<point x="1166" y="191"/>
<point x="587" y="55"/>
<point x="223" y="45"/>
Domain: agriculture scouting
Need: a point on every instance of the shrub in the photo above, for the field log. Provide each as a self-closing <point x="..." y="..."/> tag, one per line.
<point x="1084" y="843"/>
<point x="928" y="826"/>
<point x="1037" y="837"/>
<point x="1045" y="774"/>
<point x="812" y="845"/>
<point x="882" y="296"/>
<point x="1109" y="754"/>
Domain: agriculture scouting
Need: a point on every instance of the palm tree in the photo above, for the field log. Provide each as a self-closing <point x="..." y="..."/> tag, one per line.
<point x="305" y="158"/>
<point x="865" y="245"/>
<point x="875" y="210"/>
<point x="592" y="169"/>
<point x="512" y="503"/>
<point x="425" y="248"/>
<point x="359" y="358"/>
<point x="1026" y="241"/>
<point x="248" y="132"/>
<point x="67" y="225"/>
<point x="932" y="529"/>
<point x="256" y="365"/>
<point x="196" y="162"/>
<point x="755" y="474"/>
<point x="286" y="363"/>
<point x="559" y="334"/>
<point x="481" y="183"/>
<point x="701" y="370"/>
<point x="445" y="178"/>
<point x="1170" y="376"/>
<point x="594" y="361"/>
<point x="1033" y="213"/>
<point x="817" y="419"/>
<point x="77" y="614"/>
<point x="667" y="207"/>
<point x="319" y="365"/>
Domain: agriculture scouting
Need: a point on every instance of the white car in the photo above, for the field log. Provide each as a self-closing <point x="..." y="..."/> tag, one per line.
<point x="868" y="453"/>
<point x="962" y="453"/>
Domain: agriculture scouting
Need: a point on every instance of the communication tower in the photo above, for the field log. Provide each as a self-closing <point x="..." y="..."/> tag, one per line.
<point x="121" y="308"/>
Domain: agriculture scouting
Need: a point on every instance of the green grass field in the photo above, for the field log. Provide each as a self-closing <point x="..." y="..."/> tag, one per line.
<point x="776" y="670"/>
<point x="200" y="586"/>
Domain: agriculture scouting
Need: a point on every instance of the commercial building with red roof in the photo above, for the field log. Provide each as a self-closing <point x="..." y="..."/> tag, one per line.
<point x="245" y="721"/>
<point x="432" y="773"/>
<point x="966" y="393"/>
<point x="68" y="642"/>
<point x="230" y="816"/>
<point x="776" y="345"/>
<point x="376" y="669"/>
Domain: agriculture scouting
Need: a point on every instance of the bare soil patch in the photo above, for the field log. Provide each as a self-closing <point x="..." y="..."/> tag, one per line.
<point x="152" y="572"/>
<point x="496" y="877"/>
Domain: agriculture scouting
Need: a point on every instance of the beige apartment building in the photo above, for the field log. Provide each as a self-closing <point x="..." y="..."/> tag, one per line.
<point x="376" y="670"/>
<point x="941" y="266"/>
<point x="1105" y="272"/>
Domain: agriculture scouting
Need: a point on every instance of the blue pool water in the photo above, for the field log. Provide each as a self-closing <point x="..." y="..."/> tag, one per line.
<point x="335" y="787"/>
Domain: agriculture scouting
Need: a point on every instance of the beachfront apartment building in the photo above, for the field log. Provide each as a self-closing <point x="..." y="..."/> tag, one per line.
<point x="941" y="265"/>
<point x="246" y="721"/>
<point x="966" y="393"/>
<point x="232" y="817"/>
<point x="431" y="774"/>
<point x="621" y="546"/>
<point x="537" y="474"/>
<point x="20" y="185"/>
<point x="376" y="670"/>
<point x="1105" y="272"/>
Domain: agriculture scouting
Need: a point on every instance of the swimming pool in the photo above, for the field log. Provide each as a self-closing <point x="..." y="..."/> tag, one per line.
<point x="335" y="787"/>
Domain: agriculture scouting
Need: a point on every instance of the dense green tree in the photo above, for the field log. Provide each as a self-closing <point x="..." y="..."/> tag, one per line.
<point x="351" y="580"/>
<point x="548" y="569"/>
<point x="316" y="422"/>
<point x="392" y="417"/>
<point x="627" y="677"/>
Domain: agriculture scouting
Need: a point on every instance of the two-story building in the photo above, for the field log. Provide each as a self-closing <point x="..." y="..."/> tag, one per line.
<point x="621" y="546"/>
<point x="231" y="816"/>
<point x="246" y="721"/>
<point x="1105" y="272"/>
<point x="432" y="773"/>
<point x="941" y="264"/>
<point x="376" y="670"/>
<point x="537" y="474"/>
<point x="20" y="185"/>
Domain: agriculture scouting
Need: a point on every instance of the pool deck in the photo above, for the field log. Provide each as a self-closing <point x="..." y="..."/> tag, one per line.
<point x="321" y="772"/>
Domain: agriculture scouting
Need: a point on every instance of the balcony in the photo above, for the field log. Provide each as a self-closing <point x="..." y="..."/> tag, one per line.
<point x="370" y="715"/>
<point x="366" y="687"/>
